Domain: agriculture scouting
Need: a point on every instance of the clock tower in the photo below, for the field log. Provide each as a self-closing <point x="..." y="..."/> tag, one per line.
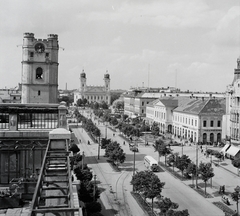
<point x="40" y="69"/>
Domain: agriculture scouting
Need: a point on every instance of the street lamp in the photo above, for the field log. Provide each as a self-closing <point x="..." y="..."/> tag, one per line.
<point x="196" y="164"/>
<point x="211" y="167"/>
<point x="134" y="163"/>
<point x="105" y="130"/>
<point x="99" y="148"/>
<point x="82" y="159"/>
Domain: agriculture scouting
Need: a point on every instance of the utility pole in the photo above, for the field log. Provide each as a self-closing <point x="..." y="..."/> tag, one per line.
<point x="196" y="164"/>
<point x="99" y="148"/>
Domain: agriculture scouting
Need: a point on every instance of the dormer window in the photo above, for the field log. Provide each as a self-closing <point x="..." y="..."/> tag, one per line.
<point x="39" y="73"/>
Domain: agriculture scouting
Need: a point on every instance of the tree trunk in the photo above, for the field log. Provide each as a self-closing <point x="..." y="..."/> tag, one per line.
<point x="205" y="188"/>
<point x="152" y="205"/>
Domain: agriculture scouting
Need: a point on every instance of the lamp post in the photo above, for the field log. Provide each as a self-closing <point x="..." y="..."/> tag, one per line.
<point x="196" y="164"/>
<point x="211" y="167"/>
<point x="82" y="159"/>
<point x="134" y="163"/>
<point x="105" y="130"/>
<point x="99" y="148"/>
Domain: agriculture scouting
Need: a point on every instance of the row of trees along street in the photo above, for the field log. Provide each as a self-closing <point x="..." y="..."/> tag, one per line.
<point x="146" y="184"/>
<point x="184" y="163"/>
<point x="88" y="191"/>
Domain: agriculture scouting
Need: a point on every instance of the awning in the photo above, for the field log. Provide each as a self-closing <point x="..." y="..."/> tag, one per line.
<point x="233" y="150"/>
<point x="226" y="147"/>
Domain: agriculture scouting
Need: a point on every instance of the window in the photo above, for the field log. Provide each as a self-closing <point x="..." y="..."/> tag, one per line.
<point x="192" y="122"/>
<point x="142" y="103"/>
<point x="195" y="123"/>
<point x="219" y="124"/>
<point x="39" y="73"/>
<point x="39" y="92"/>
<point x="204" y="123"/>
<point x="211" y="124"/>
<point x="47" y="55"/>
<point x="31" y="54"/>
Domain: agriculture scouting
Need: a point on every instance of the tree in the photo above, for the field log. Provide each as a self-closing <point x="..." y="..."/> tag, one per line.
<point x="155" y="129"/>
<point x="172" y="159"/>
<point x="93" y="207"/>
<point x="83" y="174"/>
<point x="148" y="184"/>
<point x="236" y="163"/>
<point x="165" y="204"/>
<point x="74" y="148"/>
<point x="87" y="191"/>
<point x="161" y="148"/>
<point x="114" y="121"/>
<point x="236" y="196"/>
<point x="206" y="172"/>
<point x="79" y="102"/>
<point x="171" y="212"/>
<point x="182" y="162"/>
<point x="105" y="142"/>
<point x="115" y="153"/>
<point x="192" y="170"/>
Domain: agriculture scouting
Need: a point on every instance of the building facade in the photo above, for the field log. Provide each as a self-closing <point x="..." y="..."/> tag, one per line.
<point x="199" y="120"/>
<point x="40" y="69"/>
<point x="93" y="93"/>
<point x="137" y="100"/>
<point x="232" y="124"/>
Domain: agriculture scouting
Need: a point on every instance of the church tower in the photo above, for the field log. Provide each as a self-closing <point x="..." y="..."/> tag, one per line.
<point x="107" y="86"/>
<point x="40" y="69"/>
<point x="83" y="81"/>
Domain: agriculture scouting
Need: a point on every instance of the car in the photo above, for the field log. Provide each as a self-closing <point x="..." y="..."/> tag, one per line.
<point x="134" y="148"/>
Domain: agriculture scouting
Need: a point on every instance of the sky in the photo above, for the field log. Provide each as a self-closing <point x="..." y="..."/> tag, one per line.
<point x="189" y="44"/>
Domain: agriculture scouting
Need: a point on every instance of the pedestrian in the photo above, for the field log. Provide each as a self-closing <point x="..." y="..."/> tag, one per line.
<point x="223" y="189"/>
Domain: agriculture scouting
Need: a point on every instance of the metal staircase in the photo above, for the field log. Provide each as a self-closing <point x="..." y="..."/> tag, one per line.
<point x="54" y="192"/>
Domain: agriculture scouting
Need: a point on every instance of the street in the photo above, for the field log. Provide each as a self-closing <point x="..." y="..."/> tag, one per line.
<point x="119" y="201"/>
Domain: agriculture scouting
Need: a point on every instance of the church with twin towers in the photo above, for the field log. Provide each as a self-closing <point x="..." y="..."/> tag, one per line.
<point x="93" y="93"/>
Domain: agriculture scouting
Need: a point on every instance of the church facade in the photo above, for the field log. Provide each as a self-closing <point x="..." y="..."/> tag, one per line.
<point x="93" y="93"/>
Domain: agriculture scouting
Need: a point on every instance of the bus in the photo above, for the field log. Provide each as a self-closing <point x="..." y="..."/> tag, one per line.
<point x="151" y="163"/>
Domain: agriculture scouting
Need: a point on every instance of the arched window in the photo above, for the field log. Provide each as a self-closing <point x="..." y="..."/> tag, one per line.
<point x="204" y="138"/>
<point x="39" y="73"/>
<point x="211" y="137"/>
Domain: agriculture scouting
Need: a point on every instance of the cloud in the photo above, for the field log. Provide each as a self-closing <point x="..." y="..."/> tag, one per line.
<point x="227" y="31"/>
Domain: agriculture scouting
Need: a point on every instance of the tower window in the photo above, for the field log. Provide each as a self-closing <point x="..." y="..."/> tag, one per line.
<point x="39" y="92"/>
<point x="39" y="73"/>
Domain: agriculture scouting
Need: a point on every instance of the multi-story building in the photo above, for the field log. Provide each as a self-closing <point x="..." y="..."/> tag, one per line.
<point x="231" y="119"/>
<point x="196" y="120"/>
<point x="93" y="93"/>
<point x="12" y="95"/>
<point x="199" y="120"/>
<point x="136" y="100"/>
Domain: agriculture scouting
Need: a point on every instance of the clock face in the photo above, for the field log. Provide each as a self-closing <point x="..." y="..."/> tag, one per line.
<point x="39" y="48"/>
